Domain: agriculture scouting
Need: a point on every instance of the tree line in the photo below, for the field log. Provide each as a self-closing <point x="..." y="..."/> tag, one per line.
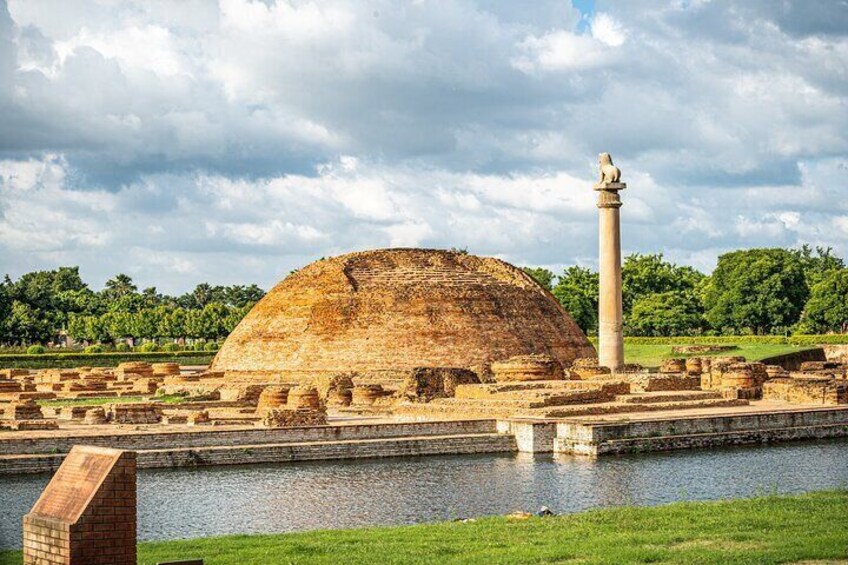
<point x="50" y="306"/>
<point x="751" y="291"/>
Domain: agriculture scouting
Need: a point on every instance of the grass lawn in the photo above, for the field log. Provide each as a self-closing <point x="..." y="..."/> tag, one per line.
<point x="99" y="400"/>
<point x="771" y="529"/>
<point x="652" y="355"/>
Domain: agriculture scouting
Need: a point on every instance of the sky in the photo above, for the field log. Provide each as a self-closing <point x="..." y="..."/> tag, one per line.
<point x="233" y="141"/>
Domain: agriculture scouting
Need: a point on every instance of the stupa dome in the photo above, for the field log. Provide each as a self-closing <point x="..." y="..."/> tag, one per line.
<point x="383" y="313"/>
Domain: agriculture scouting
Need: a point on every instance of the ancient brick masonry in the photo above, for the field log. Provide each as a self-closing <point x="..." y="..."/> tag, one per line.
<point x="807" y="390"/>
<point x="384" y="313"/>
<point x="425" y="383"/>
<point x="87" y="513"/>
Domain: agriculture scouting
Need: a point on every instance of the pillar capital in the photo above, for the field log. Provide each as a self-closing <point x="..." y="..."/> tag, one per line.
<point x="608" y="194"/>
<point x="613" y="186"/>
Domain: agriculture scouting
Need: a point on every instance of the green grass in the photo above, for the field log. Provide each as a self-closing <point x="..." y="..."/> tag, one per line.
<point x="652" y="355"/>
<point x="773" y="529"/>
<point x="100" y="400"/>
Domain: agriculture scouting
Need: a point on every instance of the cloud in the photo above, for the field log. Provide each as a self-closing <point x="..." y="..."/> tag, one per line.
<point x="242" y="138"/>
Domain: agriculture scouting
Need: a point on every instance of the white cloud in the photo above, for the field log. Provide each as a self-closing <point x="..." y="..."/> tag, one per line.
<point x="33" y="173"/>
<point x="608" y="31"/>
<point x="150" y="48"/>
<point x="561" y="51"/>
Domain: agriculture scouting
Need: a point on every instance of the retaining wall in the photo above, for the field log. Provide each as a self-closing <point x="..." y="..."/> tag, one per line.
<point x="251" y="454"/>
<point x="680" y="433"/>
<point x="207" y="438"/>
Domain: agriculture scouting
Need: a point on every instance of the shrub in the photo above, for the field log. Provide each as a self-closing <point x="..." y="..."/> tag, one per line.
<point x="800" y="339"/>
<point x="35" y="350"/>
<point x="147" y="347"/>
<point x="94" y="349"/>
<point x="171" y="347"/>
<point x="122" y="348"/>
<point x="211" y="346"/>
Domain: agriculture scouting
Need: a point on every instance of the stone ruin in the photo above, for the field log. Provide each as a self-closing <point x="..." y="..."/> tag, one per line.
<point x="817" y="382"/>
<point x="25" y="415"/>
<point x="303" y="407"/>
<point x="135" y="413"/>
<point x="527" y="368"/>
<point x="425" y="384"/>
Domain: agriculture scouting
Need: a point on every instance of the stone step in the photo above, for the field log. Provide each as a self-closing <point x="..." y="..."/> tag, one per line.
<point x="626" y="407"/>
<point x="539" y="398"/>
<point x="287" y="452"/>
<point x="451" y="408"/>
<point x="668" y="396"/>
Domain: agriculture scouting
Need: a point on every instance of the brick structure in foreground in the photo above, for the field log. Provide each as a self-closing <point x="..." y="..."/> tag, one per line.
<point x="87" y="513"/>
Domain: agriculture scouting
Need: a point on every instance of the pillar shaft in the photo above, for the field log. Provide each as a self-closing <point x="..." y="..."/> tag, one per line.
<point x="610" y="318"/>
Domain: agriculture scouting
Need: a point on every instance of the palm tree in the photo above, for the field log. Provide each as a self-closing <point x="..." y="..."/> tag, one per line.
<point x="120" y="285"/>
<point x="203" y="294"/>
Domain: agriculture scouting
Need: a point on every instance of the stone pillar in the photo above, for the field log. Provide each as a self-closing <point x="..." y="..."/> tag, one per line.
<point x="610" y="334"/>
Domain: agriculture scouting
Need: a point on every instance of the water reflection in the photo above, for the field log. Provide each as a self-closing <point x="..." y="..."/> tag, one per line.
<point x="184" y="503"/>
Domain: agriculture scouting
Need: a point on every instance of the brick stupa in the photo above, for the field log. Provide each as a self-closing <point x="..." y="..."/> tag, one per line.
<point x="383" y="313"/>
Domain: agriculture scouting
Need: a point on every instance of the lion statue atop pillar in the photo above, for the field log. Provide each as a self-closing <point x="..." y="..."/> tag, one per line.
<point x="610" y="174"/>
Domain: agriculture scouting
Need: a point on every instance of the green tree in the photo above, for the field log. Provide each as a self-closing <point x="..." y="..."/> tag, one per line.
<point x="145" y="323"/>
<point x="239" y="296"/>
<point x="235" y="316"/>
<point x="666" y="314"/>
<point x="577" y="292"/>
<point x="203" y="295"/>
<point x="150" y="298"/>
<point x="827" y="308"/>
<point x="118" y="325"/>
<point x="194" y="324"/>
<point x="172" y="323"/>
<point x="77" y="327"/>
<point x="543" y="276"/>
<point x="817" y="266"/>
<point x="756" y="290"/>
<point x="5" y="309"/>
<point x="26" y="324"/>
<point x="120" y="285"/>
<point x="642" y="275"/>
<point x="213" y="321"/>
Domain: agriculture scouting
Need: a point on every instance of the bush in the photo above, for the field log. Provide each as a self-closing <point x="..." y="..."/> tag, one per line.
<point x="122" y="348"/>
<point x="94" y="349"/>
<point x="50" y="360"/>
<point x="35" y="350"/>
<point x="148" y="347"/>
<point x="827" y="339"/>
<point x="211" y="346"/>
<point x="171" y="347"/>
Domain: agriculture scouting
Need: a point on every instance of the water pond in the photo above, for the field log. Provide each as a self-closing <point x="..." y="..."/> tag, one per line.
<point x="186" y="503"/>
